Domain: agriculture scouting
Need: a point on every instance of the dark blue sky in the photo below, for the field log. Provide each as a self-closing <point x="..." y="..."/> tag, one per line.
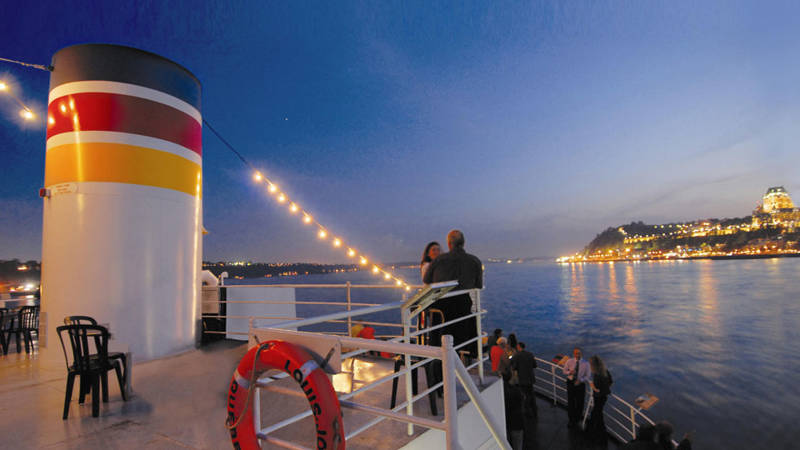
<point x="530" y="126"/>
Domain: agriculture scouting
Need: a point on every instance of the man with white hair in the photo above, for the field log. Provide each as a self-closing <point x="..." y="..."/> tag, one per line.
<point x="467" y="269"/>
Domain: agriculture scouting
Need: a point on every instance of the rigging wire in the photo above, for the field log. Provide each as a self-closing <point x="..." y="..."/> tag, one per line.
<point x="47" y="68"/>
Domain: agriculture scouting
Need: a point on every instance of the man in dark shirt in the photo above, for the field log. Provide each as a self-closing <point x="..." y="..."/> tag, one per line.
<point x="459" y="265"/>
<point x="456" y="264"/>
<point x="524" y="363"/>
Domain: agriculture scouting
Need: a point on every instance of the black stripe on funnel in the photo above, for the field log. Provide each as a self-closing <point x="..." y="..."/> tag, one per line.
<point x="106" y="62"/>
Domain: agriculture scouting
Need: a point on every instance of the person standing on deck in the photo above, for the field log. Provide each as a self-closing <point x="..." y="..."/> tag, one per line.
<point x="467" y="269"/>
<point x="578" y="373"/>
<point x="432" y="251"/>
<point x="601" y="389"/>
<point x="525" y="363"/>
<point x="496" y="354"/>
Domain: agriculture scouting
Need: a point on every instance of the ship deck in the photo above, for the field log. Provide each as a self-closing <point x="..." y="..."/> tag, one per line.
<point x="179" y="402"/>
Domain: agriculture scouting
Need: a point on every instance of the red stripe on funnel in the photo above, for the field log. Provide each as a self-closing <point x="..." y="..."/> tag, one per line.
<point x="96" y="111"/>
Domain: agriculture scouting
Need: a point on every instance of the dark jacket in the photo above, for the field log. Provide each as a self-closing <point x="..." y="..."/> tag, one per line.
<point x="456" y="265"/>
<point x="524" y="363"/>
<point x="603" y="384"/>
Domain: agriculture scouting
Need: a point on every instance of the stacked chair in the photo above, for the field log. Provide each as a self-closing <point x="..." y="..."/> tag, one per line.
<point x="89" y="358"/>
<point x="23" y="328"/>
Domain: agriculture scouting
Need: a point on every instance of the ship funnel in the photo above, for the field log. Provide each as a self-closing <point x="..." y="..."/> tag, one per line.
<point x="121" y="237"/>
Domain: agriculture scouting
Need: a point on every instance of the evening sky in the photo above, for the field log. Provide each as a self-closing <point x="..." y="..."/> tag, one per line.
<point x="531" y="127"/>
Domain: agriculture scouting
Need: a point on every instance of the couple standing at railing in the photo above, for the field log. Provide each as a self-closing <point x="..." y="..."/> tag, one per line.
<point x="458" y="265"/>
<point x="593" y="373"/>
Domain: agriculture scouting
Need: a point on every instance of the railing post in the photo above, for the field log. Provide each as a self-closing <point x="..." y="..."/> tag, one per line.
<point x="450" y="401"/>
<point x="478" y="319"/>
<point x="349" y="319"/>
<point x="633" y="422"/>
<point x="406" y="315"/>
<point x="553" y="382"/>
<point x="475" y="396"/>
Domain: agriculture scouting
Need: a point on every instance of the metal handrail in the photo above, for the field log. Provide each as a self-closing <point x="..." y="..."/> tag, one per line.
<point x="348" y="304"/>
<point x="452" y="369"/>
<point x="627" y="420"/>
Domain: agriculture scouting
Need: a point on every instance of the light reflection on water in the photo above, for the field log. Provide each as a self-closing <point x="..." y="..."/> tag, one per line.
<point x="717" y="341"/>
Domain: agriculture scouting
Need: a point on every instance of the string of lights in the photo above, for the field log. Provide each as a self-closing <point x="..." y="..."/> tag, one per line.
<point x="307" y="219"/>
<point x="25" y="112"/>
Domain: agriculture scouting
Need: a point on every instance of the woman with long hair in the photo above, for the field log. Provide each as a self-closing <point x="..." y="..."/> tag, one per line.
<point x="432" y="250"/>
<point x="601" y="389"/>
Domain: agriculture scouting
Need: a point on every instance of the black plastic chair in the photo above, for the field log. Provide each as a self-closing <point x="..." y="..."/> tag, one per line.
<point x="26" y="324"/>
<point x="91" y="366"/>
<point x="6" y="321"/>
<point x="86" y="320"/>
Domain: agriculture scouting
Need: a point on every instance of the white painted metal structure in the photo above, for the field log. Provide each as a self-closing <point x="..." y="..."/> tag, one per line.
<point x="483" y="406"/>
<point x="120" y="241"/>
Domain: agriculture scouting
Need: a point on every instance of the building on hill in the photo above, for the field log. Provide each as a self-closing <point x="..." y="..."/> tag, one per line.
<point x="778" y="209"/>
<point x="776" y="199"/>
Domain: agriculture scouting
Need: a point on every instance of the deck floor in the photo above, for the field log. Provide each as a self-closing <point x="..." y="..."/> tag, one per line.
<point x="179" y="402"/>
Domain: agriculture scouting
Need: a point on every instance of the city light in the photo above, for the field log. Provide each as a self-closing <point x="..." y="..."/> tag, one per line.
<point x="708" y="238"/>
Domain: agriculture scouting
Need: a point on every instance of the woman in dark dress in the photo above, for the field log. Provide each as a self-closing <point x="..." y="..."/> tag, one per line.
<point x="601" y="388"/>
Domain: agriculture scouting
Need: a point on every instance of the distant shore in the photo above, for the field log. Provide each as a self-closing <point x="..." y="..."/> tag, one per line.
<point x="684" y="258"/>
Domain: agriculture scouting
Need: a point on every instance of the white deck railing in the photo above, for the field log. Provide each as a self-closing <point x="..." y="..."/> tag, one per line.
<point x="622" y="418"/>
<point x="400" y="344"/>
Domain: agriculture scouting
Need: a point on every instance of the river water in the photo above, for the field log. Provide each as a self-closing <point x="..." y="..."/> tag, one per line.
<point x="717" y="341"/>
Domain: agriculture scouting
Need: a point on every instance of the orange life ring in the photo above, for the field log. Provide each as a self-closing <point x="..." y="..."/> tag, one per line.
<point x="306" y="372"/>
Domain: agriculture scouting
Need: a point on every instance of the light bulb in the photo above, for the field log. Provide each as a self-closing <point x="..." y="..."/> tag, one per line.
<point x="363" y="260"/>
<point x="337" y="242"/>
<point x="306" y="218"/>
<point x="257" y="176"/>
<point x="375" y="269"/>
<point x="322" y="234"/>
<point x="273" y="188"/>
<point x="386" y="275"/>
<point x="293" y="208"/>
<point x="27" y="114"/>
<point x="351" y="252"/>
<point x="281" y="198"/>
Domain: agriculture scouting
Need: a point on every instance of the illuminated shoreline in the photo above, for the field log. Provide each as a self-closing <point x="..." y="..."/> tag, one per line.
<point x="719" y="256"/>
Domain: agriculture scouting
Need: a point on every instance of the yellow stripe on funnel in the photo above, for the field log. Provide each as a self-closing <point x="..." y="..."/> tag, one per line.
<point x="121" y="163"/>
